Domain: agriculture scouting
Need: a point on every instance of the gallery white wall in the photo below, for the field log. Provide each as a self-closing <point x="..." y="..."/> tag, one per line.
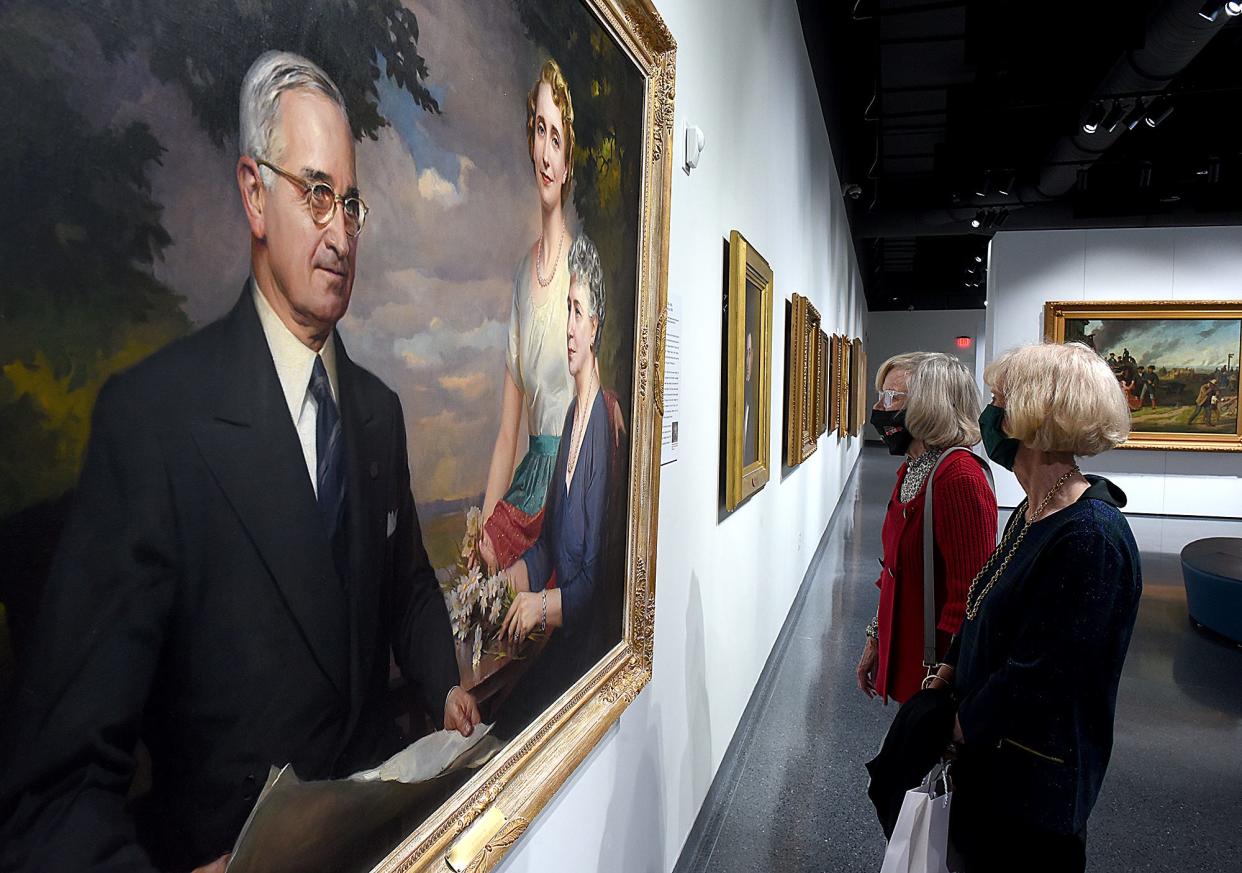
<point x="724" y="584"/>
<point x="1028" y="268"/>
<point x="900" y="331"/>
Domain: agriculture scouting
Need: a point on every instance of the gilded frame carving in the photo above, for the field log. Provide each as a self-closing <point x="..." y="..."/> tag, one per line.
<point x="747" y="270"/>
<point x="801" y="434"/>
<point x="822" y="382"/>
<point x="843" y="386"/>
<point x="858" y="386"/>
<point x="1056" y="314"/>
<point x="531" y="768"/>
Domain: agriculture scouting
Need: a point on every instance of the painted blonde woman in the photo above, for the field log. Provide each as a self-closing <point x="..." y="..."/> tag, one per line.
<point x="537" y="380"/>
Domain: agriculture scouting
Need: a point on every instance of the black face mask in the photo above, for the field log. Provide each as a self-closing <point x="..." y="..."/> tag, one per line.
<point x="892" y="428"/>
<point x="1000" y="446"/>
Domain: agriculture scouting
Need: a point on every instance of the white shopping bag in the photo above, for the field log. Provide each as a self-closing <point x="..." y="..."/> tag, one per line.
<point x="920" y="841"/>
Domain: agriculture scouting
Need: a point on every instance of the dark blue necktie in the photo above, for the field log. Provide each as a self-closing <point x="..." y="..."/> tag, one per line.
<point x="330" y="460"/>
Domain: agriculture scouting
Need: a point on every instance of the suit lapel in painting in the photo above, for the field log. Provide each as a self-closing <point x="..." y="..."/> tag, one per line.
<point x="251" y="445"/>
<point x="364" y="516"/>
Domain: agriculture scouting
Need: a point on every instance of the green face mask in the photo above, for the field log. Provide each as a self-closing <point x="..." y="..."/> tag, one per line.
<point x="1001" y="448"/>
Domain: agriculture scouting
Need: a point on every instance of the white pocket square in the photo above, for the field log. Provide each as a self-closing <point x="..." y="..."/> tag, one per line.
<point x="392" y="522"/>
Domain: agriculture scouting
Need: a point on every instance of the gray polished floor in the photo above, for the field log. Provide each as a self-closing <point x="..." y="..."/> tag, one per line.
<point x="792" y="790"/>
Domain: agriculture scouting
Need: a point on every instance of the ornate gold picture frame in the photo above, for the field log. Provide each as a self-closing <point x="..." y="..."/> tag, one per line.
<point x="1176" y="361"/>
<point x="843" y="386"/>
<point x="822" y="382"/>
<point x="748" y="383"/>
<point x="833" y="393"/>
<point x="801" y="434"/>
<point x="858" y="386"/>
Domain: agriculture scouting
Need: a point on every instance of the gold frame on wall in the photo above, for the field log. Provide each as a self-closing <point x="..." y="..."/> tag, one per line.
<point x="801" y="436"/>
<point x="858" y="386"/>
<point x="747" y="266"/>
<point x="521" y="780"/>
<point x="1056" y="313"/>
<point x="843" y="386"/>
<point x="822" y="382"/>
<point x="834" y="383"/>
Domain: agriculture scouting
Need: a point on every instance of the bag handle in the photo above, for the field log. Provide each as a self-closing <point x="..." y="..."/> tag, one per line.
<point x="929" y="553"/>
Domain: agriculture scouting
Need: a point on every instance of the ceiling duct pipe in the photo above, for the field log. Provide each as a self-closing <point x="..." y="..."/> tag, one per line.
<point x="1176" y="33"/>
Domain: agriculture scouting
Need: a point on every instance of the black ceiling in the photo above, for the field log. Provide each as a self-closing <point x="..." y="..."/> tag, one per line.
<point x="945" y="113"/>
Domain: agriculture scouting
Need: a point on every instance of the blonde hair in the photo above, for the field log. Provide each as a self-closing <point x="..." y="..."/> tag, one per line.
<point x="942" y="402"/>
<point x="550" y="73"/>
<point x="1060" y="398"/>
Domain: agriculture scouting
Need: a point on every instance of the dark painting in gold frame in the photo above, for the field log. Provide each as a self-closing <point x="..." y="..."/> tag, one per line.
<point x="803" y="371"/>
<point x="748" y="374"/>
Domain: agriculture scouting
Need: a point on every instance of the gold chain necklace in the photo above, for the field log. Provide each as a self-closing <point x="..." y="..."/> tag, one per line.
<point x="973" y="602"/>
<point x="543" y="283"/>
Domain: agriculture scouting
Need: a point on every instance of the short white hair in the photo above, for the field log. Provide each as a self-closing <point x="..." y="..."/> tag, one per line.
<point x="1060" y="398"/>
<point x="942" y="401"/>
<point x="272" y="74"/>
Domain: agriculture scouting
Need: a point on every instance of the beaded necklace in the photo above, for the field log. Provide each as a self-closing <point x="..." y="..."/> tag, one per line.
<point x="916" y="472"/>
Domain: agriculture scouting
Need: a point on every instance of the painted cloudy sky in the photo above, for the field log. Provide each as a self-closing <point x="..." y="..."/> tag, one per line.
<point x="453" y="209"/>
<point x="1200" y="343"/>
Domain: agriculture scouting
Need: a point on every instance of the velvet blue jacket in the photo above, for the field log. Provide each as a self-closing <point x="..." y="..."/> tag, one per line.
<point x="1039" y="665"/>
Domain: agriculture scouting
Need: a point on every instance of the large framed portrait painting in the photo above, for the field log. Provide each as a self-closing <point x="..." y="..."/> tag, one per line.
<point x="492" y="181"/>
<point x="1176" y="363"/>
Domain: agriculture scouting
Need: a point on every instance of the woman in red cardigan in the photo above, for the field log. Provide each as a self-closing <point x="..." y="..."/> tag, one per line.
<point x="928" y="404"/>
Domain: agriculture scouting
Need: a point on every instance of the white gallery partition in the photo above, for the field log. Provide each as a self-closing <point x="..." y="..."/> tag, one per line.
<point x="1028" y="268"/>
<point x="724" y="583"/>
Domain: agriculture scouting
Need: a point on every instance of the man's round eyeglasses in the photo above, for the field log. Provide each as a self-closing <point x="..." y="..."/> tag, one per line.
<point x="322" y="200"/>
<point x="888" y="397"/>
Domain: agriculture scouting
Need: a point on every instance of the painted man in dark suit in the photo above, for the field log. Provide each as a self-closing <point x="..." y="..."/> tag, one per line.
<point x="244" y="550"/>
<point x="750" y="417"/>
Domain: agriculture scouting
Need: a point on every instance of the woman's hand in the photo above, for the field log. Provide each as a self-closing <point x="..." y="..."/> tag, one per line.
<point x="525" y="615"/>
<point x="866" y="668"/>
<point x="487" y="552"/>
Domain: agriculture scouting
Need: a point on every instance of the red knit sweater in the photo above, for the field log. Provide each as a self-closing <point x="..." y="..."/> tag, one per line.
<point x="965" y="531"/>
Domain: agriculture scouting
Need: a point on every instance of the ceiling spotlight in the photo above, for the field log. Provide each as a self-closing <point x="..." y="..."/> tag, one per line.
<point x="978" y="259"/>
<point x="1213" y="8"/>
<point x="1008" y="185"/>
<point x="1137" y="114"/>
<point x="977" y="221"/>
<point x="1154" y="119"/>
<point x="985" y="185"/>
<point x="1115" y="116"/>
<point x="1095" y="115"/>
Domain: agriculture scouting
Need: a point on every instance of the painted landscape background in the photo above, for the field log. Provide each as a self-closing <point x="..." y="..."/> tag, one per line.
<point x="1185" y="353"/>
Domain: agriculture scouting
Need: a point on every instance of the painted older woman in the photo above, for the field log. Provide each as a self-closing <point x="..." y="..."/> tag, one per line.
<point x="928" y="405"/>
<point x="537" y="384"/>
<point x="571" y="540"/>
<point x="1048" y="619"/>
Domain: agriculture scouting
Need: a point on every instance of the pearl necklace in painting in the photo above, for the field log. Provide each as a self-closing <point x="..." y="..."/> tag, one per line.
<point x="544" y="283"/>
<point x="575" y="445"/>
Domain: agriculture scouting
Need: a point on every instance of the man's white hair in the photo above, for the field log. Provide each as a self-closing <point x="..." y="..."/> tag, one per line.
<point x="272" y="74"/>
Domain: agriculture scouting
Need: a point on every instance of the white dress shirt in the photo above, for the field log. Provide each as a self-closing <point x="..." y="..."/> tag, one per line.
<point x="294" y="362"/>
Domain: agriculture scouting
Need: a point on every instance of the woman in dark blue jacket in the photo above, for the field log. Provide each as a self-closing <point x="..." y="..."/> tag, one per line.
<point x="558" y="578"/>
<point x="1048" y="620"/>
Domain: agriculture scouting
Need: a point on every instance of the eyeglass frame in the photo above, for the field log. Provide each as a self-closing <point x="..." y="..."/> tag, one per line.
<point x="892" y="394"/>
<point x="308" y="186"/>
